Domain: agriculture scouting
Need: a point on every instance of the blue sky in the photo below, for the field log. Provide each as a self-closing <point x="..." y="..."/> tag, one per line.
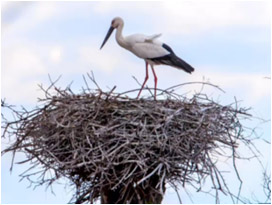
<point x="228" y="43"/>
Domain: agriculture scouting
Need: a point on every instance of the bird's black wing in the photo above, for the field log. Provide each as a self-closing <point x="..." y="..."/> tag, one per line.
<point x="172" y="60"/>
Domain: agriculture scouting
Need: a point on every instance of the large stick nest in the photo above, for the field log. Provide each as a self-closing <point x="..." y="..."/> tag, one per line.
<point x="104" y="141"/>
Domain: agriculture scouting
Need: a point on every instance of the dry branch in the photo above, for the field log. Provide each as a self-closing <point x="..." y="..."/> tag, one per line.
<point x="124" y="150"/>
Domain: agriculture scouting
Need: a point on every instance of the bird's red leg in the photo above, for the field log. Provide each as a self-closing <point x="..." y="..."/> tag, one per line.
<point x="155" y="79"/>
<point x="146" y="78"/>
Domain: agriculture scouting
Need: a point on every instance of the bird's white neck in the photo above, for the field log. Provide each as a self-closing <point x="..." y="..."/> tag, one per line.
<point x="119" y="36"/>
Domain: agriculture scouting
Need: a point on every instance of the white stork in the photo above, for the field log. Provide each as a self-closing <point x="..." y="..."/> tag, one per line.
<point x="148" y="48"/>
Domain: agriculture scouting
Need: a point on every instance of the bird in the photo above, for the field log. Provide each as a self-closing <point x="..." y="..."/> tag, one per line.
<point x="149" y="48"/>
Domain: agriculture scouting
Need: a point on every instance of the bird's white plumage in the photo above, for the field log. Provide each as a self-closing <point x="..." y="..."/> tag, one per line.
<point x="153" y="37"/>
<point x="145" y="47"/>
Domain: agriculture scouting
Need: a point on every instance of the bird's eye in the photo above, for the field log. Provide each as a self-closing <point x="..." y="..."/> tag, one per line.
<point x="112" y="22"/>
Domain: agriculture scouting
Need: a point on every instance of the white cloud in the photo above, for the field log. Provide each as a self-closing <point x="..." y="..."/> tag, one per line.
<point x="105" y="61"/>
<point x="192" y="16"/>
<point x="21" y="62"/>
<point x="169" y="17"/>
<point x="21" y="66"/>
<point x="187" y="17"/>
<point x="29" y="15"/>
<point x="248" y="87"/>
<point x="24" y="66"/>
<point x="111" y="58"/>
<point x="56" y="54"/>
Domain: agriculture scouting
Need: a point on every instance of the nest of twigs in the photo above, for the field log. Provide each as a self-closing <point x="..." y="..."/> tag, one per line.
<point x="125" y="150"/>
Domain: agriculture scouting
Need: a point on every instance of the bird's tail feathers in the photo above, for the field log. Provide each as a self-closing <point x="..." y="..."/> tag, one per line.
<point x="175" y="61"/>
<point x="181" y="64"/>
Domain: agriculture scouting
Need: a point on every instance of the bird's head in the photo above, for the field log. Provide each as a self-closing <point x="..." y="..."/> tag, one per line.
<point x="115" y="23"/>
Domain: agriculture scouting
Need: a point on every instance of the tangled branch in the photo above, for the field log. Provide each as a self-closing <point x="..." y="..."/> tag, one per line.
<point x="110" y="145"/>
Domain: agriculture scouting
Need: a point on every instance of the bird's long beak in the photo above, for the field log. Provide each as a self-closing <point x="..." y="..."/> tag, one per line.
<point x="107" y="36"/>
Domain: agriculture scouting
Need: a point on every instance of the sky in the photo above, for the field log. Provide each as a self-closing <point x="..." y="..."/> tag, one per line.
<point x="227" y="42"/>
